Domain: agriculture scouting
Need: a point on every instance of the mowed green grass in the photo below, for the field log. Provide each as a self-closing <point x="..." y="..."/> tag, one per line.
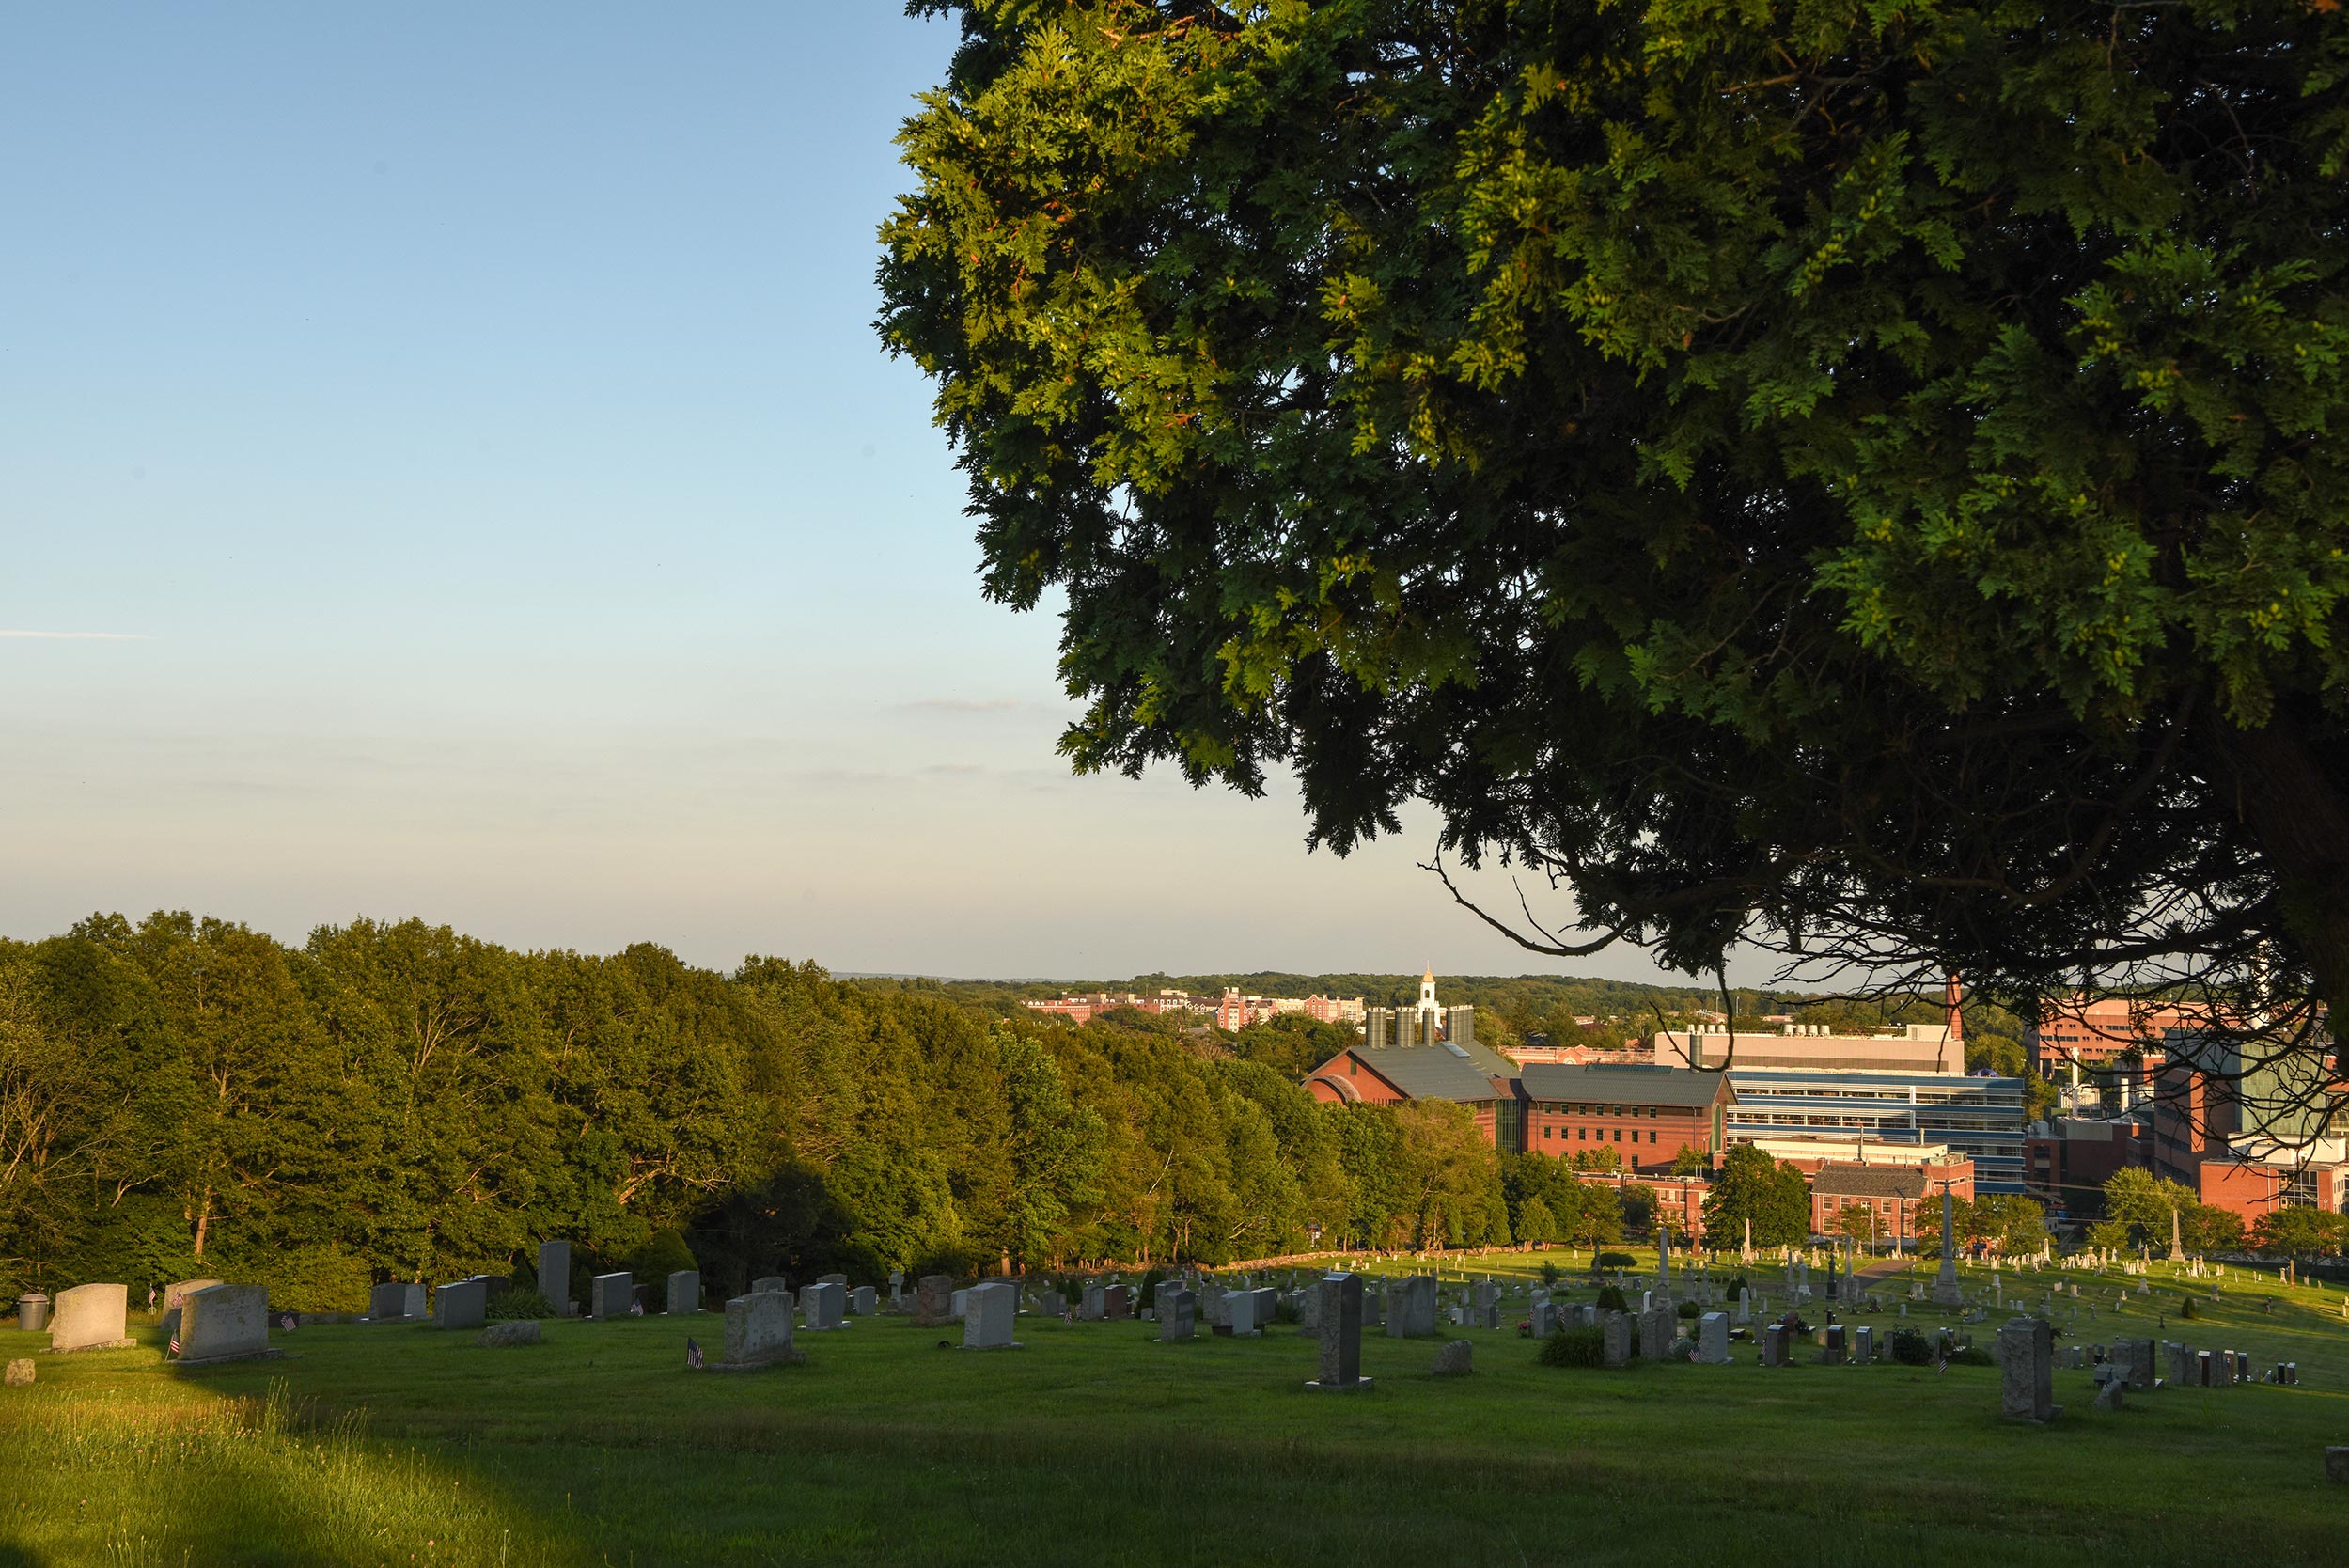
<point x="1096" y="1445"/>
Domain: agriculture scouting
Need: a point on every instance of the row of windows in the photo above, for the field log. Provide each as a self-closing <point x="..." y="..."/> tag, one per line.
<point x="1582" y="1134"/>
<point x="1560" y="1109"/>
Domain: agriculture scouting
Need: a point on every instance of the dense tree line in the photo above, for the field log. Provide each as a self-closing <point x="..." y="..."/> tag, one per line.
<point x="182" y="1097"/>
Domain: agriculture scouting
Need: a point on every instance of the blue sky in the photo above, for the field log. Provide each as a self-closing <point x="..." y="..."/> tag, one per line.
<point x="466" y="424"/>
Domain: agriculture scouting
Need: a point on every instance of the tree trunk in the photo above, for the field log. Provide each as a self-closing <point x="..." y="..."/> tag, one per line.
<point x="2296" y="802"/>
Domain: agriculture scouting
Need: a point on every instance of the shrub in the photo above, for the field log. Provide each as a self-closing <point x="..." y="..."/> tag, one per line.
<point x="1611" y="1299"/>
<point x="1614" y="1260"/>
<point x="2188" y="1309"/>
<point x="1549" y="1273"/>
<point x="1575" y="1347"/>
<point x="1686" y="1309"/>
<point x="1966" y="1356"/>
<point x="1910" y="1348"/>
<point x="1737" y="1288"/>
<point x="663" y="1255"/>
<point x="517" y="1301"/>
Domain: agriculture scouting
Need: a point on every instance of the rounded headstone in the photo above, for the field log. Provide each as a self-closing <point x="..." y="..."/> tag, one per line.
<point x="1455" y="1359"/>
<point x="502" y="1336"/>
<point x="21" y="1376"/>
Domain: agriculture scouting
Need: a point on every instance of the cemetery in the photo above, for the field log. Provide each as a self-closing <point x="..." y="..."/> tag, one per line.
<point x="1148" y="1428"/>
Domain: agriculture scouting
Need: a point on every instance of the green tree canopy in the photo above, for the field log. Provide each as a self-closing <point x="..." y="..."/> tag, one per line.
<point x="1863" y="481"/>
<point x="1750" y="1185"/>
<point x="2301" y="1232"/>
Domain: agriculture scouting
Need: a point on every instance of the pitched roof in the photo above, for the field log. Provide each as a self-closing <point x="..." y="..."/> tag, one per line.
<point x="1838" y="1179"/>
<point x="1427" y="1071"/>
<point x="1486" y="1060"/>
<point x="1631" y="1083"/>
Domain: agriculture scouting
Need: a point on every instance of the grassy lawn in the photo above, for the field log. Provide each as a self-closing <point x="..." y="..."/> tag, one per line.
<point x="1095" y="1445"/>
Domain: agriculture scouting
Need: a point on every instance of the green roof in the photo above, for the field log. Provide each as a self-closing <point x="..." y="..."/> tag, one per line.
<point x="1429" y="1072"/>
<point x="1631" y="1084"/>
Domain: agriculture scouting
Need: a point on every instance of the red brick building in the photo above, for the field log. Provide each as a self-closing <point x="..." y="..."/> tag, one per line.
<point x="1467" y="1074"/>
<point x="1645" y="1113"/>
<point x="2251" y="1189"/>
<point x="2066" y="1161"/>
<point x="2091" y="1033"/>
<point x="1679" y="1199"/>
<point x="1895" y="1200"/>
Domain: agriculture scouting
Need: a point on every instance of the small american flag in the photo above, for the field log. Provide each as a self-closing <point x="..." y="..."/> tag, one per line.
<point x="693" y="1354"/>
<point x="175" y="1345"/>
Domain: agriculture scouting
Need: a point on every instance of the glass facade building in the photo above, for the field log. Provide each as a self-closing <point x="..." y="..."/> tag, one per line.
<point x="1981" y="1118"/>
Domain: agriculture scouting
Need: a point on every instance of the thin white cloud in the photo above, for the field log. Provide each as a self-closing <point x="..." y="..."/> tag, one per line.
<point x="77" y="636"/>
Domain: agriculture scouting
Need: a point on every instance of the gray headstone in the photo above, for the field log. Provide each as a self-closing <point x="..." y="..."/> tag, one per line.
<point x="956" y="1302"/>
<point x="1340" y="1314"/>
<point x="684" y="1291"/>
<point x="1833" y="1352"/>
<point x="933" y="1301"/>
<point x="462" y="1303"/>
<point x="1713" y="1339"/>
<point x="1863" y="1345"/>
<point x="1411" y="1307"/>
<point x="91" y="1317"/>
<point x="1776" y="1341"/>
<point x="1240" y="1309"/>
<point x="1657" y="1327"/>
<point x="175" y="1294"/>
<point x="395" y="1302"/>
<point x="2108" y="1393"/>
<point x="839" y="1279"/>
<point x="505" y="1335"/>
<point x="2026" y="1369"/>
<point x="1614" y="1343"/>
<point x="758" y="1329"/>
<point x="769" y="1283"/>
<point x="826" y="1305"/>
<point x="609" y="1296"/>
<point x="224" y="1323"/>
<point x="2136" y="1359"/>
<point x="2337" y="1465"/>
<point x="1545" y="1319"/>
<point x="1052" y="1303"/>
<point x="554" y="1275"/>
<point x="1456" y="1359"/>
<point x="989" y="1312"/>
<point x="1177" y="1315"/>
<point x="864" y="1301"/>
<point x="1094" y="1307"/>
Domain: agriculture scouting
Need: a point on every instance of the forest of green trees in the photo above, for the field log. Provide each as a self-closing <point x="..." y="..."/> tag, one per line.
<point x="183" y="1097"/>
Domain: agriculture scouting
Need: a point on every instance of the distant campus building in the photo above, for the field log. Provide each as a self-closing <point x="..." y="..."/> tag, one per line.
<point x="1645" y="1113"/>
<point x="1233" y="1012"/>
<point x="1903" y="1084"/>
<point x="1428" y="1024"/>
<point x="1086" y="1007"/>
<point x="2243" y="1135"/>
